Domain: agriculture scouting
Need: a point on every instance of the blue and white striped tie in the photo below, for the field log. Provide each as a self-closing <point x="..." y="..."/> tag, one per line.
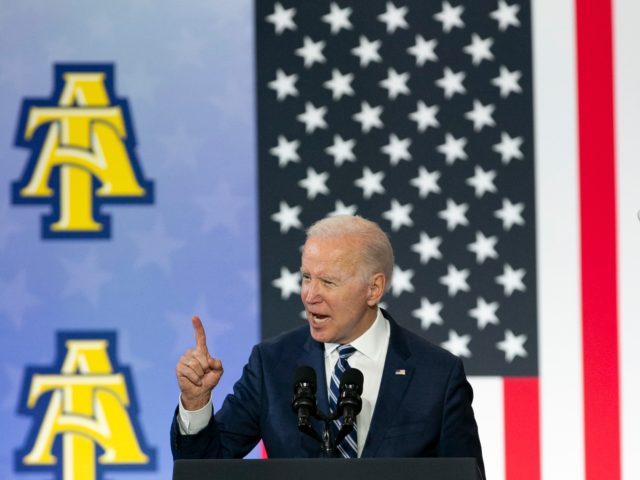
<point x="348" y="448"/>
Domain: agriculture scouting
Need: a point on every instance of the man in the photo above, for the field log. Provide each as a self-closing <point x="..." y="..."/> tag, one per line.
<point x="416" y="399"/>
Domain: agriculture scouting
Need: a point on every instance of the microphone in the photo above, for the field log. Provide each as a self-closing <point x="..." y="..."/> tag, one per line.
<point x="304" y="395"/>
<point x="350" y="402"/>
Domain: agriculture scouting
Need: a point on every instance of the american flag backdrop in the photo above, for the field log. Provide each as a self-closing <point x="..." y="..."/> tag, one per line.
<point x="420" y="115"/>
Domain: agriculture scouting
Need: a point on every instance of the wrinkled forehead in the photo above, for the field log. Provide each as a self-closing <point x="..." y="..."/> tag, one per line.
<point x="331" y="254"/>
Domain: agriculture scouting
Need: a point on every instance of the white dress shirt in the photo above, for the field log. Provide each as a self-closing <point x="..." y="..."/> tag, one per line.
<point x="369" y="358"/>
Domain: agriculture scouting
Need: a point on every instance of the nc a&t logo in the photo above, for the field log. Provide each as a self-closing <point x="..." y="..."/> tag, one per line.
<point x="82" y="153"/>
<point x="84" y="409"/>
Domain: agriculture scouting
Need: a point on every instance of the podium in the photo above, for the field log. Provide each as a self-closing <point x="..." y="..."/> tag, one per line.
<point x="323" y="469"/>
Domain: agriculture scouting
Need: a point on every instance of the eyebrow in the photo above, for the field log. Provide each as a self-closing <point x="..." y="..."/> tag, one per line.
<point x="331" y="278"/>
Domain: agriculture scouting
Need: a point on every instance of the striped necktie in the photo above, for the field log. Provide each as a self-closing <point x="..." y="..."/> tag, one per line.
<point x="348" y="448"/>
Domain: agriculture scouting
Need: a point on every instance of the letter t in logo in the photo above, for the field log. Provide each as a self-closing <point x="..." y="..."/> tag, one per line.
<point x="82" y="153"/>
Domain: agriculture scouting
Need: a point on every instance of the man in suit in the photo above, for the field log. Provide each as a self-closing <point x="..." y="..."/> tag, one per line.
<point x="416" y="401"/>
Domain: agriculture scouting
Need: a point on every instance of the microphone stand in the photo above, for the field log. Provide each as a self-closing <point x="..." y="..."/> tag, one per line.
<point x="327" y="443"/>
<point x="327" y="447"/>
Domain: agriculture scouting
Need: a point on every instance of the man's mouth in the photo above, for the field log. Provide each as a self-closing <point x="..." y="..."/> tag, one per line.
<point x="318" y="318"/>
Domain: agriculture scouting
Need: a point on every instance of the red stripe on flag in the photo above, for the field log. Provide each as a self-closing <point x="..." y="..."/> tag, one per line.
<point x="522" y="428"/>
<point x="598" y="238"/>
<point x="263" y="451"/>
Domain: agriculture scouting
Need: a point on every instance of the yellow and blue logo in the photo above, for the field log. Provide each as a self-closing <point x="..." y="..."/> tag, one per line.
<point x="85" y="412"/>
<point x="82" y="153"/>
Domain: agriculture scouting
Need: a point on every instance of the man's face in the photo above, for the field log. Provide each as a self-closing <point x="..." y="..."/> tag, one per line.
<point x="336" y="298"/>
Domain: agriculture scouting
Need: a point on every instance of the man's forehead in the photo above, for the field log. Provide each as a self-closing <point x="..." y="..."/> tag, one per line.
<point x="339" y="252"/>
<point x="333" y="245"/>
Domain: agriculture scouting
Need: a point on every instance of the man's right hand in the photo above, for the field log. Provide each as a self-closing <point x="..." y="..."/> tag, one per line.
<point x="197" y="372"/>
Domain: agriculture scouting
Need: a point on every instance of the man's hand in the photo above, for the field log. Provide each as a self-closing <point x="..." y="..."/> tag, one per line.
<point x="198" y="373"/>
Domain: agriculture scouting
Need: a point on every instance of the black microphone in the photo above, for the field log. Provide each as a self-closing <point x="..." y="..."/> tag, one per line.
<point x="350" y="402"/>
<point x="304" y="395"/>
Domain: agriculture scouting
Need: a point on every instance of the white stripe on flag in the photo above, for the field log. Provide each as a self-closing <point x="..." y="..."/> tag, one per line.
<point x="488" y="406"/>
<point x="627" y="71"/>
<point x="559" y="313"/>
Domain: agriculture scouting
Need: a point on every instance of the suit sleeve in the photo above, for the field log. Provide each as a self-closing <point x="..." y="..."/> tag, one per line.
<point x="459" y="433"/>
<point x="235" y="429"/>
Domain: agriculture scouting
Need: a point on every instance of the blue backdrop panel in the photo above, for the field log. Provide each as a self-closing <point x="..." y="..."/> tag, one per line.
<point x="185" y="71"/>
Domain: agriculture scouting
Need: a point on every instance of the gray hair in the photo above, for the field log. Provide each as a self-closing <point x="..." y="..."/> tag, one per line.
<point x="377" y="254"/>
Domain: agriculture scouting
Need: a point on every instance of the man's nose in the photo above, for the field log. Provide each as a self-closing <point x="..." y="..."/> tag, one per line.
<point x="310" y="292"/>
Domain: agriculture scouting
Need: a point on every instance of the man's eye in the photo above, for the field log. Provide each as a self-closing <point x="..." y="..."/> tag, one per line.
<point x="328" y="283"/>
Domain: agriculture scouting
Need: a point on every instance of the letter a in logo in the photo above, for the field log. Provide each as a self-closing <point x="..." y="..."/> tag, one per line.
<point x="85" y="412"/>
<point x="82" y="153"/>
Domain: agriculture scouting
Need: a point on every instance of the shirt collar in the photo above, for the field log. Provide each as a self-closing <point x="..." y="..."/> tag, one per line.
<point x="369" y="342"/>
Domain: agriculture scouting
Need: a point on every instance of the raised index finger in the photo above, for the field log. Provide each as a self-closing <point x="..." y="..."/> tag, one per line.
<point x="201" y="337"/>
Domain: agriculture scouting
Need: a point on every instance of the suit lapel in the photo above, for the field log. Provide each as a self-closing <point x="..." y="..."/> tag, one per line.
<point x="313" y="356"/>
<point x="396" y="376"/>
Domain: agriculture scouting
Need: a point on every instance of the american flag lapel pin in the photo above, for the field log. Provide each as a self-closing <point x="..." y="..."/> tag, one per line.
<point x="401" y="371"/>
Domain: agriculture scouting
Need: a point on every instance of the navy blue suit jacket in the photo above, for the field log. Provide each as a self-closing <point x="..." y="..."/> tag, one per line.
<point x="424" y="413"/>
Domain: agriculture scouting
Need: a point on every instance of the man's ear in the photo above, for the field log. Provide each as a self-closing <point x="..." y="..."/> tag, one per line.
<point x="377" y="283"/>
